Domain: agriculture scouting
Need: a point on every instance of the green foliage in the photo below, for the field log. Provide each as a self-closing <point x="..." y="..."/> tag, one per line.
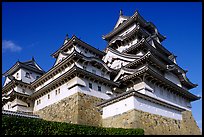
<point x="12" y="125"/>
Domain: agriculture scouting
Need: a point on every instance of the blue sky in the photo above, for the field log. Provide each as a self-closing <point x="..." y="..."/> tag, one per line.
<point x="38" y="29"/>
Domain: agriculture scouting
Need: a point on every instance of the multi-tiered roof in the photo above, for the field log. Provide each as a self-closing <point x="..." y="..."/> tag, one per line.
<point x="155" y="60"/>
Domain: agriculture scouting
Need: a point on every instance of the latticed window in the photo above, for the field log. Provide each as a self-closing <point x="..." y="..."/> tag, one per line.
<point x="27" y="75"/>
<point x="99" y="88"/>
<point x="94" y="71"/>
<point x="90" y="85"/>
<point x="102" y="74"/>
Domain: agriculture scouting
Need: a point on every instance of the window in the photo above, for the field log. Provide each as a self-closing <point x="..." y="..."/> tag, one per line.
<point x="37" y="77"/>
<point x="161" y="91"/>
<point x="94" y="71"/>
<point x="17" y="75"/>
<point x="180" y="100"/>
<point x="174" y="97"/>
<point x="48" y="96"/>
<point x="168" y="95"/>
<point x="84" y="67"/>
<point x="23" y="90"/>
<point x="38" y="101"/>
<point x="28" y="104"/>
<point x="90" y="85"/>
<point x="57" y="91"/>
<point x="27" y="75"/>
<point x="102" y="74"/>
<point x="99" y="88"/>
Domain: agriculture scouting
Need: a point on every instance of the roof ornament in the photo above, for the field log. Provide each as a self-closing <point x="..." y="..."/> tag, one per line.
<point x="66" y="38"/>
<point x="33" y="58"/>
<point x="121" y="12"/>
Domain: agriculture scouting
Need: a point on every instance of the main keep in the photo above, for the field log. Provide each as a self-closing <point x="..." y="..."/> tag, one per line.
<point x="134" y="83"/>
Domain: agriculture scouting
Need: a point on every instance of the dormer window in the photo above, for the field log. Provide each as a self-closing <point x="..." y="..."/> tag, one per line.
<point x="27" y="75"/>
<point x="17" y="75"/>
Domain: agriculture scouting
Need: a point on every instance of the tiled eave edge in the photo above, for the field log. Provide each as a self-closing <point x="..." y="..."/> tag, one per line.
<point x="74" y="71"/>
<point x="20" y="114"/>
<point x="178" y="90"/>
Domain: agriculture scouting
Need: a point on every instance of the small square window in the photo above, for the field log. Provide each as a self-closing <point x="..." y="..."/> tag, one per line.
<point x="99" y="88"/>
<point x="90" y="85"/>
<point x="94" y="71"/>
<point x="27" y="75"/>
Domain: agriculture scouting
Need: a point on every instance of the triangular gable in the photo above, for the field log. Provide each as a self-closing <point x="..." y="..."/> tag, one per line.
<point x="32" y="64"/>
<point x="121" y="73"/>
<point x="121" y="19"/>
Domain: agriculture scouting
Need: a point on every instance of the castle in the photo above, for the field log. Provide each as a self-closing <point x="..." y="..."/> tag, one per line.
<point x="134" y="83"/>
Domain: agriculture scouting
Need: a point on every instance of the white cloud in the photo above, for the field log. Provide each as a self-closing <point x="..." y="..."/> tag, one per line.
<point x="8" y="45"/>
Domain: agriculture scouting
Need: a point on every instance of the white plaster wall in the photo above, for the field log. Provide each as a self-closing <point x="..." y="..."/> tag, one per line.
<point x="56" y="76"/>
<point x="127" y="45"/>
<point x="19" y="74"/>
<point x="139" y="104"/>
<point x="17" y="108"/>
<point x="161" y="94"/>
<point x="109" y="56"/>
<point x="120" y="20"/>
<point x="7" y="80"/>
<point x="20" y="90"/>
<point x="116" y="63"/>
<point x="126" y="31"/>
<point x="173" y="78"/>
<point x="65" y="92"/>
<point x="89" y="68"/>
<point x="60" y="58"/>
<point x="153" y="108"/>
<point x="87" y="53"/>
<point x="32" y="76"/>
<point x="121" y="48"/>
<point x="118" y="107"/>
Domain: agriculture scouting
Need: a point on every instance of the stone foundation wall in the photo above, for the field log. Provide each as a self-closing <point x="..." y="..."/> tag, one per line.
<point x="154" y="124"/>
<point x="77" y="109"/>
<point x="88" y="113"/>
<point x="65" y="110"/>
